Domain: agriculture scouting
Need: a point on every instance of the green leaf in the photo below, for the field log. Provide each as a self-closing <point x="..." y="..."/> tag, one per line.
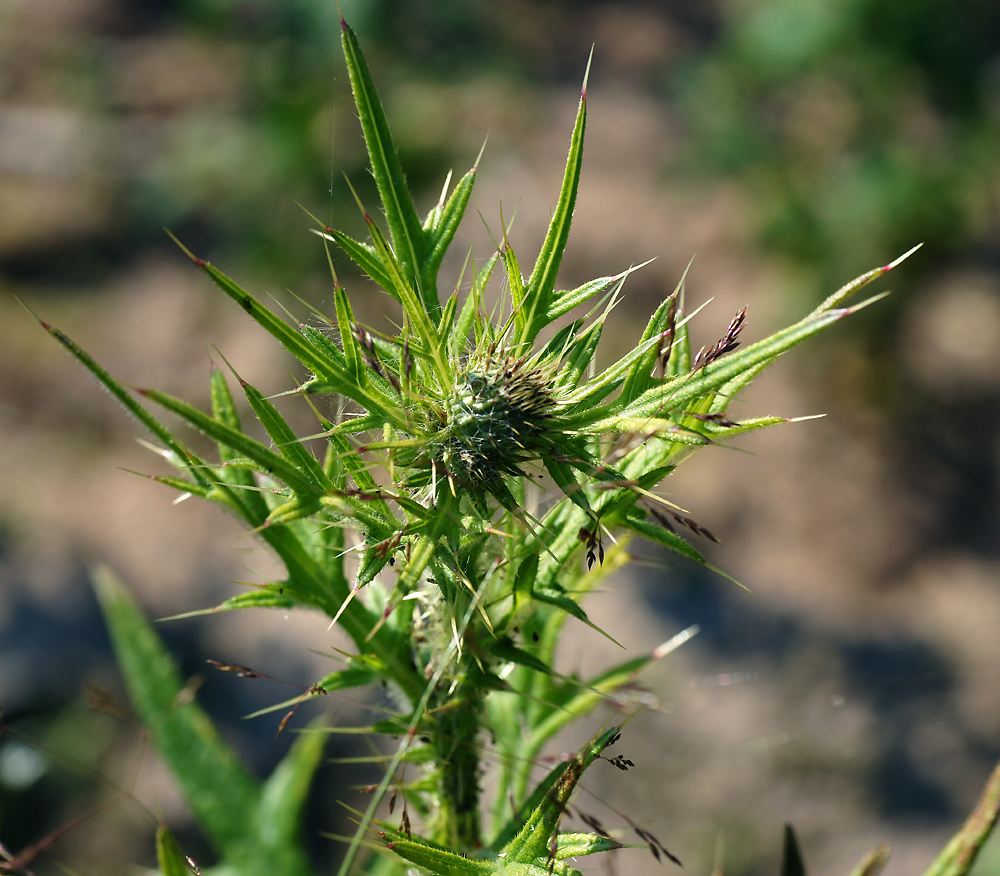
<point x="356" y="467"/>
<point x="271" y="461"/>
<point x="566" y="300"/>
<point x="240" y="476"/>
<point x="284" y="794"/>
<point x="278" y="595"/>
<point x="353" y="676"/>
<point x="470" y="309"/>
<point x="373" y="392"/>
<point x="189" y="462"/>
<point x="416" y="309"/>
<point x="580" y="355"/>
<point x="791" y="859"/>
<point x="872" y="863"/>
<point x="848" y="289"/>
<point x="960" y="854"/>
<point x="587" y="396"/>
<point x="223" y="408"/>
<point x="447" y="323"/>
<point x="365" y="257"/>
<point x="640" y="376"/>
<point x="562" y="473"/>
<point x="729" y="391"/>
<point x="657" y="534"/>
<point x="290" y="339"/>
<point x="560" y="599"/>
<point x="219" y="789"/>
<point x="169" y="856"/>
<point x="504" y="649"/>
<point x="404" y="224"/>
<point x="572" y="700"/>
<point x="515" y="282"/>
<point x="542" y="282"/>
<point x="680" y="353"/>
<point x="558" y="345"/>
<point x="435" y="859"/>
<point x="577" y="845"/>
<point x="442" y="230"/>
<point x="532" y="840"/>
<point x="285" y="439"/>
<point x="324" y="360"/>
<point x="678" y="393"/>
<point x="345" y="322"/>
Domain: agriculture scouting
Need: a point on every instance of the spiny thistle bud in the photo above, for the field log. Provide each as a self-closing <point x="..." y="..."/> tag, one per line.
<point x="496" y="420"/>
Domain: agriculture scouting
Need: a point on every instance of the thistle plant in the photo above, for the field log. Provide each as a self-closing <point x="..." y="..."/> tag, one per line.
<point x="469" y="480"/>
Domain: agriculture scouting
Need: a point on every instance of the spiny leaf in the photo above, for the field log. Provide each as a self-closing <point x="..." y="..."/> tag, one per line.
<point x="415" y="307"/>
<point x="532" y="840"/>
<point x="364" y="256"/>
<point x="284" y="794"/>
<point x="169" y="856"/>
<point x="267" y="596"/>
<point x="683" y="390"/>
<point x="791" y="859"/>
<point x="219" y="788"/>
<point x="130" y="404"/>
<point x="657" y="534"/>
<point x="437" y="860"/>
<point x="345" y="322"/>
<point x="848" y="289"/>
<point x="441" y="233"/>
<point x="239" y="442"/>
<point x="565" y="301"/>
<point x="872" y="863"/>
<point x="284" y="437"/>
<point x="289" y="338"/>
<point x="404" y="224"/>
<point x="960" y="854"/>
<point x="539" y="288"/>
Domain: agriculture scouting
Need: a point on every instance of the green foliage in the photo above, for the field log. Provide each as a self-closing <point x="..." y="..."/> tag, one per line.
<point x="451" y="522"/>
<point x="254" y="826"/>
<point x="856" y="126"/>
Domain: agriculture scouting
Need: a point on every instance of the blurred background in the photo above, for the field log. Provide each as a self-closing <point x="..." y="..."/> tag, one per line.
<point x="787" y="146"/>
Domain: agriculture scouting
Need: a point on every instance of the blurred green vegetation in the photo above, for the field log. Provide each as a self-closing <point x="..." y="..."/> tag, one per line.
<point x="852" y="129"/>
<point x="858" y="126"/>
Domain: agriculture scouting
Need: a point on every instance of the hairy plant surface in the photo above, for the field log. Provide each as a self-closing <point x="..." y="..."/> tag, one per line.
<point x="470" y="478"/>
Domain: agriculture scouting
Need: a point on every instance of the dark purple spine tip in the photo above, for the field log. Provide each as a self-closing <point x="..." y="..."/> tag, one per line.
<point x="45" y="325"/>
<point x="343" y="24"/>
<point x="199" y="262"/>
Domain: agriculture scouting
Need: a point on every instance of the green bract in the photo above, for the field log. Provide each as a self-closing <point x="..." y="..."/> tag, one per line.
<point x="479" y="482"/>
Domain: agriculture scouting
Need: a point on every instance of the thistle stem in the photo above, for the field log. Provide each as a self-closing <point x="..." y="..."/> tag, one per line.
<point x="456" y="744"/>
